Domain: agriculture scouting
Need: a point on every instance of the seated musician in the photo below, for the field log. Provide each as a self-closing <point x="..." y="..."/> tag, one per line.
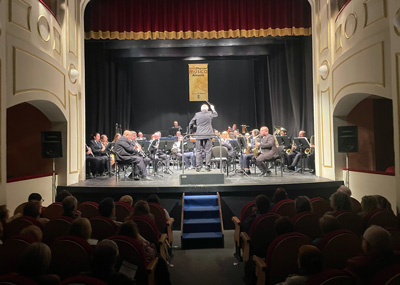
<point x="99" y="150"/>
<point x="110" y="147"/>
<point x="225" y="142"/>
<point x="295" y="155"/>
<point x="157" y="154"/>
<point x="177" y="127"/>
<point x="138" y="147"/>
<point x="125" y="151"/>
<point x="94" y="165"/>
<point x="245" y="158"/>
<point x="141" y="137"/>
<point x="216" y="132"/>
<point x="268" y="150"/>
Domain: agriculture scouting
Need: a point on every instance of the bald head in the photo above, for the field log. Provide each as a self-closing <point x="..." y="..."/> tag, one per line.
<point x="204" y="107"/>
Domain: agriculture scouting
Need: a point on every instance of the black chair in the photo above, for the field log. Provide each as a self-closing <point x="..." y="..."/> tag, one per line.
<point x="220" y="155"/>
<point x="123" y="165"/>
<point x="278" y="161"/>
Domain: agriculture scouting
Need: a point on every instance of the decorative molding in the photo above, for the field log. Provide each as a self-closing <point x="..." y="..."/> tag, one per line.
<point x="398" y="90"/>
<point x="347" y="33"/>
<point x="329" y="122"/>
<point x="77" y="143"/>
<point x="70" y="75"/>
<point x="42" y="22"/>
<point x="11" y="13"/>
<point x="322" y="49"/>
<point x="397" y="18"/>
<point x="73" y="51"/>
<point x="372" y="8"/>
<point x="325" y="63"/>
<point x="17" y="91"/>
<point x="57" y="41"/>
<point x="338" y="38"/>
<point x="380" y="83"/>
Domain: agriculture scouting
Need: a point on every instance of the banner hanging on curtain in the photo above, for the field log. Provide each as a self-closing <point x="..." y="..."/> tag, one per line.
<point x="198" y="82"/>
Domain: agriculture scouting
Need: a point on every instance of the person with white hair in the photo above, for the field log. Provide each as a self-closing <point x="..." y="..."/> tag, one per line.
<point x="377" y="245"/>
<point x="204" y="133"/>
<point x="344" y="189"/>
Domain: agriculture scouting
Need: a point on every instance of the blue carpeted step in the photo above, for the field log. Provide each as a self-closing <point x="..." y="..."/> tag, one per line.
<point x="204" y="200"/>
<point x="201" y="225"/>
<point x="205" y="235"/>
<point x="205" y="212"/>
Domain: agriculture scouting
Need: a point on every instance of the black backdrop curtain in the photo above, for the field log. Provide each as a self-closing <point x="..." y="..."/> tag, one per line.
<point x="148" y="95"/>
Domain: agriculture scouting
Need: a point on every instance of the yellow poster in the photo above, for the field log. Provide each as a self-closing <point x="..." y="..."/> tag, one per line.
<point x="198" y="82"/>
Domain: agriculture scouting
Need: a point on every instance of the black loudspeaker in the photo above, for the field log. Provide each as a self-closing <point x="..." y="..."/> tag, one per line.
<point x="348" y="139"/>
<point x="51" y="145"/>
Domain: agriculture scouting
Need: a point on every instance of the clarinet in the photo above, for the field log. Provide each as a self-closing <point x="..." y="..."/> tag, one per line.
<point x="90" y="149"/>
<point x="141" y="152"/>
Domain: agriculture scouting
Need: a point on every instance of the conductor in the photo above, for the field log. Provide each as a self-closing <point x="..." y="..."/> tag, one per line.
<point x="205" y="130"/>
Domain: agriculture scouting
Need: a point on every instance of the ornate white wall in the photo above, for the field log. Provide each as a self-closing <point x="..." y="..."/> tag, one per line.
<point x="361" y="50"/>
<point x="37" y="54"/>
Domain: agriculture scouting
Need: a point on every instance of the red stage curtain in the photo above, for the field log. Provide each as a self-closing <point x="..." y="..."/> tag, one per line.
<point x="196" y="19"/>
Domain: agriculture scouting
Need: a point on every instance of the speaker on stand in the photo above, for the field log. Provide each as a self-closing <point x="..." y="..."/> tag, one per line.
<point x="347" y="142"/>
<point x="52" y="148"/>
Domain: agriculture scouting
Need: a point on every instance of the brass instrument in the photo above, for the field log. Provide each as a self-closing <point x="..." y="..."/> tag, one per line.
<point x="290" y="150"/>
<point x="309" y="149"/>
<point x="256" y="149"/>
<point x="248" y="148"/>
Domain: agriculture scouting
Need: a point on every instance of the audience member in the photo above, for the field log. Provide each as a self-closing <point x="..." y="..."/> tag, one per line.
<point x="34" y="263"/>
<point x="35" y="197"/>
<point x="283" y="225"/>
<point x="261" y="207"/>
<point x="130" y="229"/>
<point x="378" y="254"/>
<point x="340" y="201"/>
<point x="103" y="264"/>
<point x="1" y="234"/>
<point x="383" y="203"/>
<point x="368" y="204"/>
<point x="141" y="208"/>
<point x="153" y="198"/>
<point x="310" y="263"/>
<point x="329" y="223"/>
<point x="34" y="232"/>
<point x="32" y="209"/>
<point x="70" y="205"/>
<point x="107" y="208"/>
<point x="344" y="189"/>
<point x="82" y="228"/>
<point x="61" y="195"/>
<point x="302" y="204"/>
<point x="127" y="199"/>
<point x="279" y="195"/>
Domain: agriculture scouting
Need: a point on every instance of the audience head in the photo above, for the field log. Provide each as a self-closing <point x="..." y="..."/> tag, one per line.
<point x="127" y="199"/>
<point x="61" y="195"/>
<point x="340" y="201"/>
<point x="34" y="260"/>
<point x="35" y="197"/>
<point x="377" y="239"/>
<point x="82" y="228"/>
<point x="107" y="207"/>
<point x="70" y="204"/>
<point x="344" y="189"/>
<point x="33" y="231"/>
<point x="262" y="204"/>
<point x="153" y="198"/>
<point x="309" y="260"/>
<point x="302" y="204"/>
<point x="4" y="212"/>
<point x="32" y="209"/>
<point x="279" y="195"/>
<point x="283" y="225"/>
<point x="141" y="208"/>
<point x="368" y="203"/>
<point x="129" y="229"/>
<point x="105" y="255"/>
<point x="383" y="203"/>
<point x="329" y="223"/>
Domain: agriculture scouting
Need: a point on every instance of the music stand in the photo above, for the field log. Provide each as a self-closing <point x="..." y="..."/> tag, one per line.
<point x="301" y="144"/>
<point x="284" y="141"/>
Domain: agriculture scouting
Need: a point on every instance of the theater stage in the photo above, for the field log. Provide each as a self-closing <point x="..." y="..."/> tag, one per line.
<point x="235" y="192"/>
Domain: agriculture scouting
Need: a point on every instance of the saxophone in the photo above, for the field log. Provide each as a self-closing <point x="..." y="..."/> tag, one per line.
<point x="309" y="150"/>
<point x="248" y="148"/>
<point x="256" y="149"/>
